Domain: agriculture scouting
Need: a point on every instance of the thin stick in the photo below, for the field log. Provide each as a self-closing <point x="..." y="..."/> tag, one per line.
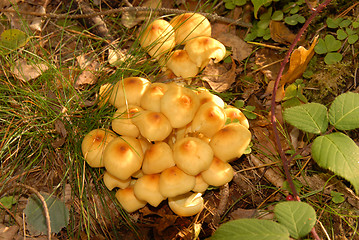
<point x="11" y="214"/>
<point x="273" y="103"/>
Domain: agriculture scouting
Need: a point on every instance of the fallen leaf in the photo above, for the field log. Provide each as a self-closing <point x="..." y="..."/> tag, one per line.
<point x="280" y="32"/>
<point x="240" y="49"/>
<point x="298" y="63"/>
<point x="269" y="62"/>
<point x="117" y="56"/>
<point x="8" y="233"/>
<point x="89" y="74"/>
<point x="25" y="72"/>
<point x="218" y="77"/>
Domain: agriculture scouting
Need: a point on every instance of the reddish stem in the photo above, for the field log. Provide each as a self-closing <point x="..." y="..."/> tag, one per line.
<point x="285" y="161"/>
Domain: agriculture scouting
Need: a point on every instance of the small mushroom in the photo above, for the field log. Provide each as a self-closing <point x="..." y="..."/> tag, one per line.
<point x="174" y="182"/>
<point x="209" y="119"/>
<point x="128" y="200"/>
<point x="153" y="125"/>
<point x="179" y="105"/>
<point x="157" y="158"/>
<point x="200" y="186"/>
<point x="93" y="146"/>
<point x="218" y="174"/>
<point x="190" y="25"/>
<point x="181" y="65"/>
<point x="230" y="142"/>
<point x="187" y="204"/>
<point x="202" y="49"/>
<point x="128" y="91"/>
<point x="111" y="181"/>
<point x="151" y="99"/>
<point x="236" y="114"/>
<point x="123" y="157"/>
<point x="192" y="155"/>
<point x="147" y="188"/>
<point x="158" y="38"/>
<point x="205" y="96"/>
<point x="122" y="121"/>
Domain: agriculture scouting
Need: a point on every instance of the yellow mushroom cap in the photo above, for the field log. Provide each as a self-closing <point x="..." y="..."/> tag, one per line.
<point x="153" y="125"/>
<point x="187" y="204"/>
<point x="202" y="49"/>
<point x="128" y="200"/>
<point x="179" y="105"/>
<point x="122" y="121"/>
<point x="230" y="142"/>
<point x="190" y="25"/>
<point x="174" y="182"/>
<point x="158" y="38"/>
<point x="192" y="155"/>
<point x="93" y="146"/>
<point x="205" y="96"/>
<point x="151" y="99"/>
<point x="128" y="91"/>
<point x="209" y="119"/>
<point x="157" y="158"/>
<point x="123" y="157"/>
<point x="111" y="181"/>
<point x="147" y="188"/>
<point x="200" y="186"/>
<point x="181" y="65"/>
<point x="218" y="174"/>
<point x="234" y="113"/>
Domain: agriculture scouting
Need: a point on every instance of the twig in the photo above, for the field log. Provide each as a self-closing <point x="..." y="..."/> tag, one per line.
<point x="273" y="103"/>
<point x="210" y="16"/>
<point x="11" y="214"/>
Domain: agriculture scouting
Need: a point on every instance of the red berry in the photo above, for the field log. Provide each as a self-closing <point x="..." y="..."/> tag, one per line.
<point x="289" y="198"/>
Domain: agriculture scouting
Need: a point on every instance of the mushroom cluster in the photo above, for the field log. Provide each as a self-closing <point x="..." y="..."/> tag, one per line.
<point x="166" y="142"/>
<point x="192" y="30"/>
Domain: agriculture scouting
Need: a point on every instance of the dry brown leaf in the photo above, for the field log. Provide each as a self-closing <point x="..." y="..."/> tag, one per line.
<point x="298" y="63"/>
<point x="240" y="49"/>
<point x="8" y="233"/>
<point x="88" y="76"/>
<point x="218" y="77"/>
<point x="25" y="72"/>
<point x="280" y="32"/>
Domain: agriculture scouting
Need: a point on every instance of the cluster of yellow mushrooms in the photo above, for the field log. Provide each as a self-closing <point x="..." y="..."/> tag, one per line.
<point x="167" y="141"/>
<point x="192" y="30"/>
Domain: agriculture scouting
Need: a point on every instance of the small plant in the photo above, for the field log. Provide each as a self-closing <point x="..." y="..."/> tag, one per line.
<point x="294" y="94"/>
<point x="329" y="46"/>
<point x="247" y="110"/>
<point x="337" y="197"/>
<point x="231" y="4"/>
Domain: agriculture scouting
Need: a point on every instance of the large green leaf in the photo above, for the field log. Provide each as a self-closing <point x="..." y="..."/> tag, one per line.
<point x="298" y="217"/>
<point x="12" y="39"/>
<point x="257" y="4"/>
<point x="310" y="117"/>
<point x="344" y="111"/>
<point x="251" y="229"/>
<point x="340" y="154"/>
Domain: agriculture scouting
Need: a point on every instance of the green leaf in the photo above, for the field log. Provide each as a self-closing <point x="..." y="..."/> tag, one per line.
<point x="240" y="2"/>
<point x="298" y="217"/>
<point x="277" y="16"/>
<point x="333" y="57"/>
<point x="320" y="48"/>
<point x="352" y="39"/>
<point x="263" y="24"/>
<point x="35" y="218"/>
<point x="257" y="4"/>
<point x="310" y="117"/>
<point x="344" y="111"/>
<point x="337" y="197"/>
<point x="333" y="23"/>
<point x="229" y="5"/>
<point x="331" y="43"/>
<point x="12" y="39"/>
<point x="338" y="153"/>
<point x="239" y="103"/>
<point x="355" y="24"/>
<point x="251" y="229"/>
<point x="291" y="20"/>
<point x="7" y="201"/>
<point x="345" y="23"/>
<point x="341" y="34"/>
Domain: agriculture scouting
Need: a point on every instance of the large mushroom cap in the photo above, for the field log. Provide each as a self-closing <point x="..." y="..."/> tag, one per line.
<point x="111" y="181"/>
<point x="93" y="146"/>
<point x="209" y="119"/>
<point x="128" y="200"/>
<point x="202" y="49"/>
<point x="230" y="142"/>
<point x="187" y="204"/>
<point x="157" y="158"/>
<point x="179" y="105"/>
<point x="153" y="125"/>
<point x="192" y="155"/>
<point x="181" y="65"/>
<point x="128" y="91"/>
<point x="123" y="157"/>
<point x="158" y="38"/>
<point x="151" y="99"/>
<point x="147" y="188"/>
<point x="236" y="114"/>
<point x="190" y="25"/>
<point x="218" y="174"/>
<point x="173" y="182"/>
<point x="122" y="121"/>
